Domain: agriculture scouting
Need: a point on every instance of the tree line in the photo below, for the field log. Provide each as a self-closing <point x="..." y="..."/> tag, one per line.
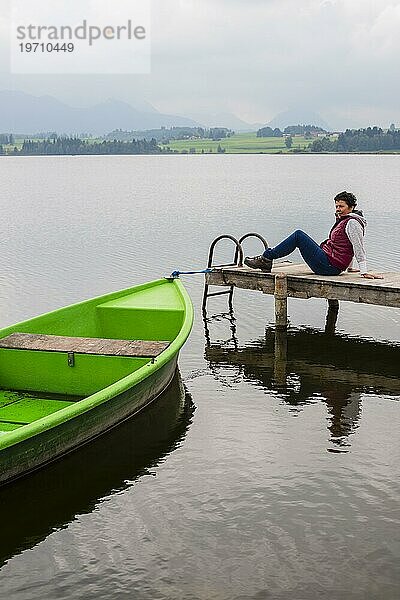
<point x="370" y="139"/>
<point x="289" y="130"/>
<point x="71" y="145"/>
<point x="6" y="138"/>
<point x="165" y="135"/>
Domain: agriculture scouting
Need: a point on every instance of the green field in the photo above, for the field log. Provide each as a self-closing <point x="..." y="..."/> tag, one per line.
<point x="240" y="143"/>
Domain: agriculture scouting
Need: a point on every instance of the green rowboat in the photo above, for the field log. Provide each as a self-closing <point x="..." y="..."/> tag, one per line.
<point x="69" y="375"/>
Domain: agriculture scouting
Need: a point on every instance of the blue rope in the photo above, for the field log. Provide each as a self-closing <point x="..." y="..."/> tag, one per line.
<point x="175" y="274"/>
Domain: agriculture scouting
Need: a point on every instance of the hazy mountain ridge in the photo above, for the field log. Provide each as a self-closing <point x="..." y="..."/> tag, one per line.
<point x="229" y="120"/>
<point x="24" y="113"/>
<point x="27" y="114"/>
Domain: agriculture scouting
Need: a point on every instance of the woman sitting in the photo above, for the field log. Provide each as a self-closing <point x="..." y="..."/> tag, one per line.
<point x="335" y="254"/>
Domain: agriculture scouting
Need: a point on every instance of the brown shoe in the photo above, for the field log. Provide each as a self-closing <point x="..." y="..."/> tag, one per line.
<point x="259" y="262"/>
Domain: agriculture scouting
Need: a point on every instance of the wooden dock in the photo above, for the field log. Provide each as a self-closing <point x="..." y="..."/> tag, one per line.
<point x="297" y="281"/>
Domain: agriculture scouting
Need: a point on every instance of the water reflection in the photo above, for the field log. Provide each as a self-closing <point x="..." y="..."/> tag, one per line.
<point x="51" y="498"/>
<point x="307" y="366"/>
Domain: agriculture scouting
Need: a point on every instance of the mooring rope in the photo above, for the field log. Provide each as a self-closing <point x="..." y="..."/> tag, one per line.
<point x="175" y="274"/>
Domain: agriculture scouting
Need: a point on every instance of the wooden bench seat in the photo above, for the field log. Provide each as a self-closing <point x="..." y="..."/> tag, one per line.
<point x="80" y="345"/>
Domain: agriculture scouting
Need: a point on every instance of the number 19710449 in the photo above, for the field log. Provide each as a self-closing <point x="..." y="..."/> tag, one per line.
<point x="49" y="47"/>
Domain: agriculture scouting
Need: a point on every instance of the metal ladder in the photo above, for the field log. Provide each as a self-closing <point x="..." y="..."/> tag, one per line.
<point x="237" y="262"/>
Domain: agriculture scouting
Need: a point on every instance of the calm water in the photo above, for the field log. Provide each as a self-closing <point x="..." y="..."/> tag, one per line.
<point x="248" y="479"/>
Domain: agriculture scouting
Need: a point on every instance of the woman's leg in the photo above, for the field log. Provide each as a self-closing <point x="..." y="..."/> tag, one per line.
<point x="311" y="252"/>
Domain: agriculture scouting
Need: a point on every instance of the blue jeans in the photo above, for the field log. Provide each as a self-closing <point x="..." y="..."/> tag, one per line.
<point x="313" y="254"/>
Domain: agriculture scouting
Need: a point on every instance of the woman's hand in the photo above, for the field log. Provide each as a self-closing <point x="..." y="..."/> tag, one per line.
<point x="371" y="276"/>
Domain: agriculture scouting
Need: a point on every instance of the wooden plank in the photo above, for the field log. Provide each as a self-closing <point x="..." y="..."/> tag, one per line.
<point x="78" y="345"/>
<point x="302" y="283"/>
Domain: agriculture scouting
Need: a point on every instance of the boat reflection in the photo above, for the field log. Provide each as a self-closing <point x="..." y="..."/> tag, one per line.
<point x="51" y="498"/>
<point x="306" y="366"/>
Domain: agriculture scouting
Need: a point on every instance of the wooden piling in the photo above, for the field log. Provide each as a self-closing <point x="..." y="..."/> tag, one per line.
<point x="281" y="295"/>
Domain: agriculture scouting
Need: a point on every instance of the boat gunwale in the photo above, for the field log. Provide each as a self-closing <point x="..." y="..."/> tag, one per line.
<point x="122" y="385"/>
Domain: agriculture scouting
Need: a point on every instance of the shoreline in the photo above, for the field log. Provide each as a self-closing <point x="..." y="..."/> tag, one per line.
<point x="186" y="154"/>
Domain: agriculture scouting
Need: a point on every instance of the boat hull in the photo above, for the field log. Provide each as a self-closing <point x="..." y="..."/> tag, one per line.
<point x="49" y="445"/>
<point x="53" y="399"/>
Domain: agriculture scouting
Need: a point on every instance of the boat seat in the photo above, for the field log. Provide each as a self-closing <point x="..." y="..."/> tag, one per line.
<point x="80" y="345"/>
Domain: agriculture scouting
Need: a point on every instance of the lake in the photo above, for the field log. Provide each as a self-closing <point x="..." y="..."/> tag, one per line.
<point x="239" y="483"/>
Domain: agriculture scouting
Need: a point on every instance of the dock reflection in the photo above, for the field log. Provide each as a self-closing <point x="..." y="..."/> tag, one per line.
<point x="305" y="366"/>
<point x="49" y="499"/>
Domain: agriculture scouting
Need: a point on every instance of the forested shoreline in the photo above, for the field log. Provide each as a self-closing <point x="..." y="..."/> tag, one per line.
<point x="71" y="145"/>
<point x="294" y="140"/>
<point x="371" y="139"/>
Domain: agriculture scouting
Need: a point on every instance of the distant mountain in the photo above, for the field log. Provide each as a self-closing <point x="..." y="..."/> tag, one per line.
<point x="228" y="120"/>
<point x="298" y="117"/>
<point x="23" y="113"/>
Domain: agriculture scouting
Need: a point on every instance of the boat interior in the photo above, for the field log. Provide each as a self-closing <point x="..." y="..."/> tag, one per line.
<point x="36" y="382"/>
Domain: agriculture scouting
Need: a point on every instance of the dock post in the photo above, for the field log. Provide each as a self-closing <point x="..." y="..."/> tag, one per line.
<point x="280" y="301"/>
<point x="331" y="316"/>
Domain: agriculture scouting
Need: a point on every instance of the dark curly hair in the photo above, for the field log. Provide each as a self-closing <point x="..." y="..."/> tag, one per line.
<point x="347" y="197"/>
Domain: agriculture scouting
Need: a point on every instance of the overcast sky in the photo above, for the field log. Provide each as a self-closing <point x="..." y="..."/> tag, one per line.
<point x="254" y="58"/>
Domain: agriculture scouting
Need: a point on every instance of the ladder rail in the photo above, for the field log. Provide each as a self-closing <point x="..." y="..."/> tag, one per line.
<point x="237" y="262"/>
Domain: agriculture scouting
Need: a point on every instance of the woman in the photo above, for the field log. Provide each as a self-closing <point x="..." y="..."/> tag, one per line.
<point x="335" y="254"/>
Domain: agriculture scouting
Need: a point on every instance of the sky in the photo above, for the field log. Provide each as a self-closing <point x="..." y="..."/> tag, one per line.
<point x="252" y="58"/>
